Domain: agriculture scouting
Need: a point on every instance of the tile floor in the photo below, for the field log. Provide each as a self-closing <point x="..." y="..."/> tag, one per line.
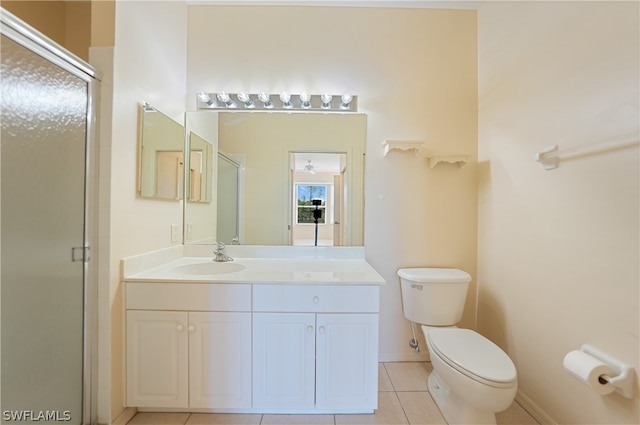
<point x="403" y="399"/>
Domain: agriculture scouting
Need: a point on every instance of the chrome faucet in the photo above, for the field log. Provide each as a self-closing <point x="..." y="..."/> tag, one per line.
<point x="221" y="253"/>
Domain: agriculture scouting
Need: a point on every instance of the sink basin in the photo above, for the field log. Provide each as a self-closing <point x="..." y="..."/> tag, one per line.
<point x="211" y="267"/>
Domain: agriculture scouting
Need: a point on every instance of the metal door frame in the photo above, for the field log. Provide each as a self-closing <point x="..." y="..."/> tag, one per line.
<point x="33" y="40"/>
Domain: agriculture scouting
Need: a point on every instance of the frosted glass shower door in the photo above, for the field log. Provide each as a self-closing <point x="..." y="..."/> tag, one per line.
<point x="44" y="133"/>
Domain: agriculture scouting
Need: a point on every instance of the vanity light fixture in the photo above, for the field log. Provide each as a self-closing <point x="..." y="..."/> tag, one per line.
<point x="291" y="102"/>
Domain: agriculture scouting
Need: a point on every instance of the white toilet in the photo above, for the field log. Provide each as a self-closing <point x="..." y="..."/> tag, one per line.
<point x="472" y="378"/>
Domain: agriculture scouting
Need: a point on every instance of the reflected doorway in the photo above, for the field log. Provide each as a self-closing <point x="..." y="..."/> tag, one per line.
<point x="230" y="227"/>
<point x="317" y="198"/>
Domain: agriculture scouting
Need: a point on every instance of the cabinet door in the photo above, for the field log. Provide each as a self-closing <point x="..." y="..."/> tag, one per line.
<point x="347" y="361"/>
<point x="283" y="362"/>
<point x="220" y="360"/>
<point x="157" y="350"/>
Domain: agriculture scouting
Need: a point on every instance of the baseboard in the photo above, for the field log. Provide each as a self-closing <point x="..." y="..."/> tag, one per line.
<point x="125" y="416"/>
<point x="422" y="356"/>
<point x="533" y="409"/>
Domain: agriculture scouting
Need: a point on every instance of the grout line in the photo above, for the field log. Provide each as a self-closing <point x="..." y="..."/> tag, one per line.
<point x="389" y="377"/>
<point x="402" y="407"/>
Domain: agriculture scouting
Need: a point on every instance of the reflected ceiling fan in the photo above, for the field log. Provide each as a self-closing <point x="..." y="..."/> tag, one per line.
<point x="309" y="168"/>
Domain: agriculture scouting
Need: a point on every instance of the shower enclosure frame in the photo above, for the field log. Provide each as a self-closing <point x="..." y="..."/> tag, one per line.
<point x="33" y="40"/>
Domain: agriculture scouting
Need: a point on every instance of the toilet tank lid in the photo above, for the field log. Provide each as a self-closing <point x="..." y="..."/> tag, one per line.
<point x="428" y="274"/>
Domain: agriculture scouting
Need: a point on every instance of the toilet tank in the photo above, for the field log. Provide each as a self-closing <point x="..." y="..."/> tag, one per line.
<point x="434" y="296"/>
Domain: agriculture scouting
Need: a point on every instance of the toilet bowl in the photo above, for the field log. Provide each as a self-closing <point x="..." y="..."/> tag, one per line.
<point x="472" y="378"/>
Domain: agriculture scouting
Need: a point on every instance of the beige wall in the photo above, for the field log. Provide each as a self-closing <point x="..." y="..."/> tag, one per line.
<point x="77" y="37"/>
<point x="68" y="23"/>
<point x="48" y="17"/>
<point x="558" y="250"/>
<point x="103" y="22"/>
<point x="415" y="75"/>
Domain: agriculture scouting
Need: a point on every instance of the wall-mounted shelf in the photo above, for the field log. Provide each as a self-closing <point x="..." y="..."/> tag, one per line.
<point x="403" y="145"/>
<point x="461" y="160"/>
<point x="418" y="148"/>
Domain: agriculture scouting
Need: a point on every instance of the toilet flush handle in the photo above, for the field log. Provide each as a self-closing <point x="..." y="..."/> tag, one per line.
<point x="415" y="286"/>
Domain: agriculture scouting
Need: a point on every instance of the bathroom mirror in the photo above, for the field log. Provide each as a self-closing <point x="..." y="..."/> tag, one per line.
<point x="161" y="155"/>
<point x="268" y="166"/>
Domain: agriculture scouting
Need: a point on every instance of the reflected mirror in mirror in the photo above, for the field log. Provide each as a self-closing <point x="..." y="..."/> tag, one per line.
<point x="200" y="166"/>
<point x="161" y="155"/>
<point x="261" y="171"/>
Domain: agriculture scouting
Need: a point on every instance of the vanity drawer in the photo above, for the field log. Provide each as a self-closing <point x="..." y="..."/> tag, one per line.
<point x="316" y="298"/>
<point x="188" y="296"/>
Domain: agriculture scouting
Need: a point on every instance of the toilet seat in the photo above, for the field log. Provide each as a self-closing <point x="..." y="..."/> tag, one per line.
<point x="473" y="355"/>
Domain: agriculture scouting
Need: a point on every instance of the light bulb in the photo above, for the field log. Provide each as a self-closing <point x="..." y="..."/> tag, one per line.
<point x="246" y="99"/>
<point x="346" y="100"/>
<point x="205" y="98"/>
<point x="224" y="97"/>
<point x="286" y="99"/>
<point x="326" y="100"/>
<point x="305" y="98"/>
<point x="265" y="98"/>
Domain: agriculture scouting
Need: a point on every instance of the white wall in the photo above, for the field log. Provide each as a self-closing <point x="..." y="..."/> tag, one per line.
<point x="415" y="75"/>
<point x="558" y="250"/>
<point x="149" y="65"/>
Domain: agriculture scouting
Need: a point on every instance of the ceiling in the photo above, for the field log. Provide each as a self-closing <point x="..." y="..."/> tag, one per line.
<point x="322" y="162"/>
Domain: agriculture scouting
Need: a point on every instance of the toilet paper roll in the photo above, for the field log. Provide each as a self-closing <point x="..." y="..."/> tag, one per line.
<point x="590" y="370"/>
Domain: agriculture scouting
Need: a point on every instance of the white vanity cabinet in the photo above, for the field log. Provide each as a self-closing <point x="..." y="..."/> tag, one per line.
<point x="179" y="356"/>
<point x="299" y="347"/>
<point x="157" y="356"/>
<point x="315" y="348"/>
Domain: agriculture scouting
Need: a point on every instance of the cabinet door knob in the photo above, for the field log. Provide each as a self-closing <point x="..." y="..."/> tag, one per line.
<point x="309" y="329"/>
<point x="191" y="328"/>
<point x="180" y="328"/>
<point x="316" y="299"/>
<point x="321" y="329"/>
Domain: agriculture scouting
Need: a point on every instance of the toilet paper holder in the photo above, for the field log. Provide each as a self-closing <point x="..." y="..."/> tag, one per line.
<point x="625" y="378"/>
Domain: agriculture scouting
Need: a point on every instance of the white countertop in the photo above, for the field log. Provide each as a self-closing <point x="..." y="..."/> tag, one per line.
<point x="271" y="269"/>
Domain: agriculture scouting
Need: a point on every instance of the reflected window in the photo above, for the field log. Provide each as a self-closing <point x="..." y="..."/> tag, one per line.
<point x="311" y="198"/>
